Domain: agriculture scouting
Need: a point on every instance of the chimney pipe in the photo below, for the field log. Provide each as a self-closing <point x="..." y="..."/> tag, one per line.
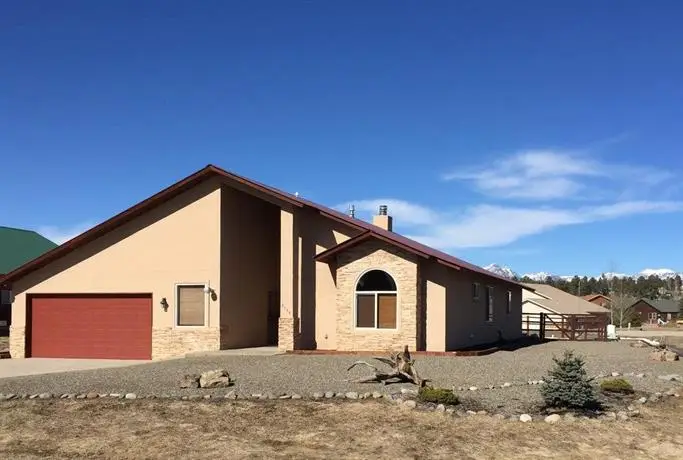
<point x="352" y="211"/>
<point x="383" y="219"/>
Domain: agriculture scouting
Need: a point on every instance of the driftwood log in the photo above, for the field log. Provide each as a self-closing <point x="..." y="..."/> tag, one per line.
<point x="402" y="369"/>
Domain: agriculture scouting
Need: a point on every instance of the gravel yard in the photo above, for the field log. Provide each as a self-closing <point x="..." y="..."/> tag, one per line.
<point x="305" y="375"/>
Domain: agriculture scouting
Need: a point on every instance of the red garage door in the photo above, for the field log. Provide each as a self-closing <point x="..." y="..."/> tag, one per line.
<point x="116" y="327"/>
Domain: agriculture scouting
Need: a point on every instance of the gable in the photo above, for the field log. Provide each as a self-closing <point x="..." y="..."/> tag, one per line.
<point x="178" y="236"/>
<point x="18" y="246"/>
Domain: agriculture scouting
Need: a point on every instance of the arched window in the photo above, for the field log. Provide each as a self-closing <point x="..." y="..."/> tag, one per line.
<point x="376" y="301"/>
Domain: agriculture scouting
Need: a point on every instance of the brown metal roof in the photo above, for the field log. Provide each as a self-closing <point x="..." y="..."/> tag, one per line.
<point x="370" y="230"/>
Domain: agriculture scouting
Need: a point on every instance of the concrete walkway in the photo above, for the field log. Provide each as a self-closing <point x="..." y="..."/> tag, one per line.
<point x="254" y="351"/>
<point x="35" y="366"/>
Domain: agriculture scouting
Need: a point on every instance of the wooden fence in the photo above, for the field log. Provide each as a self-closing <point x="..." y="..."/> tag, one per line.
<point x="548" y="326"/>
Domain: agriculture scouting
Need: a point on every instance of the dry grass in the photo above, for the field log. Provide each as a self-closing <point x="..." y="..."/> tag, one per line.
<point x="148" y="429"/>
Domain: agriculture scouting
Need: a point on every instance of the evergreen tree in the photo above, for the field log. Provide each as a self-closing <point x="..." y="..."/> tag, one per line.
<point x="568" y="385"/>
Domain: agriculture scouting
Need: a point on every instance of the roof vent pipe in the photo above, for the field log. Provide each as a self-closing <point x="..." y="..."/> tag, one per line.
<point x="352" y="211"/>
<point x="383" y="210"/>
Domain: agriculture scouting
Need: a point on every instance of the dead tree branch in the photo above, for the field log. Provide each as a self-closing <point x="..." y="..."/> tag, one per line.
<point x="402" y="370"/>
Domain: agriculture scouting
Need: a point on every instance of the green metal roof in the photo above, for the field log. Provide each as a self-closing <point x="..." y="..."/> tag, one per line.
<point x="18" y="246"/>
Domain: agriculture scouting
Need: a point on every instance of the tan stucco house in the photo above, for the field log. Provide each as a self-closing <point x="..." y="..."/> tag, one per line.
<point x="219" y="261"/>
<point x="543" y="298"/>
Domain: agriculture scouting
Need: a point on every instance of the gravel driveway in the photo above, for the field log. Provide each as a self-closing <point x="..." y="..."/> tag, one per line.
<point x="317" y="373"/>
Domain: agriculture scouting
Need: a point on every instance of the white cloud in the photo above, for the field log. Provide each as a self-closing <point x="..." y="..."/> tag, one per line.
<point x="486" y="225"/>
<point x="63" y="234"/>
<point x="554" y="174"/>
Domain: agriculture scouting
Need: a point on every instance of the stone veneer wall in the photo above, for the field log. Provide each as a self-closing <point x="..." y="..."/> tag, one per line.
<point x="169" y="342"/>
<point x="402" y="266"/>
<point x="285" y="334"/>
<point x="17" y="342"/>
<point x="166" y="342"/>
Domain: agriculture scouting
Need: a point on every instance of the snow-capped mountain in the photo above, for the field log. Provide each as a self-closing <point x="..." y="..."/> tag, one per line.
<point x="501" y="270"/>
<point x="663" y="273"/>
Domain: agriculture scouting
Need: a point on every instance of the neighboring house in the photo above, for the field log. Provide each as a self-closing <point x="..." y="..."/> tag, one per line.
<point x="650" y="310"/>
<point x="17" y="246"/>
<point x="598" y="299"/>
<point x="543" y="298"/>
<point x="219" y="261"/>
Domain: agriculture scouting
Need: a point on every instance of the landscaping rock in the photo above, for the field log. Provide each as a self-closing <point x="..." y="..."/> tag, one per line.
<point x="569" y="417"/>
<point x="81" y="396"/>
<point x="329" y="394"/>
<point x="408" y="391"/>
<point x="218" y="378"/>
<point x="410" y="404"/>
<point x="663" y="355"/>
<point x="473" y="388"/>
<point x="525" y="418"/>
<point x="45" y="396"/>
<point x="375" y="395"/>
<point x="318" y="395"/>
<point x="296" y="396"/>
<point x="115" y="395"/>
<point x="190" y="381"/>
<point x="621" y="415"/>
<point x="441" y="408"/>
<point x="285" y="396"/>
<point x="640" y="376"/>
<point x="92" y="396"/>
<point x="642" y="400"/>
<point x="231" y="395"/>
<point x="351" y="395"/>
<point x="553" y="418"/>
<point x="470" y="412"/>
<point x="35" y="396"/>
<point x="131" y="396"/>
<point x="615" y="374"/>
<point x="506" y="385"/>
<point x="670" y="377"/>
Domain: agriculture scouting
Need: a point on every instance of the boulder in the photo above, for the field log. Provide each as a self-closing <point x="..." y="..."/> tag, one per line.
<point x="525" y="418"/>
<point x="218" y="378"/>
<point x="190" y="381"/>
<point x="663" y="355"/>
<point x="553" y="418"/>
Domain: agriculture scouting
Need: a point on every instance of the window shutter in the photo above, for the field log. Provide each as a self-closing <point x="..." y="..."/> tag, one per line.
<point x="386" y="311"/>
<point x="191" y="305"/>
<point x="365" y="310"/>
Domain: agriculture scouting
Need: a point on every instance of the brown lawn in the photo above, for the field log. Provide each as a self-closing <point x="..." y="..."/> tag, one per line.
<point x="287" y="429"/>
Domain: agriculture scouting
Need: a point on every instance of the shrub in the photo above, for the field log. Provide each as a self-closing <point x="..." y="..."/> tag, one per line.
<point x="438" y="396"/>
<point x="616" y="386"/>
<point x="568" y="385"/>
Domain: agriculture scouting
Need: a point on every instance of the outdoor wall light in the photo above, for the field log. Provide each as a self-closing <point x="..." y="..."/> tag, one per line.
<point x="164" y="304"/>
<point x="209" y="290"/>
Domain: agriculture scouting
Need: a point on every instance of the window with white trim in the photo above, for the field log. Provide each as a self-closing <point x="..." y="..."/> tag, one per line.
<point x="475" y="291"/>
<point x="190" y="305"/>
<point x="376" y="306"/>
<point x="489" y="303"/>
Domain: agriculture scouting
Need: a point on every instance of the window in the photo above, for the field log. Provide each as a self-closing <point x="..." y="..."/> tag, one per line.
<point x="475" y="291"/>
<point x="5" y="297"/>
<point x="508" y="307"/>
<point x="191" y="305"/>
<point x="489" y="303"/>
<point x="376" y="301"/>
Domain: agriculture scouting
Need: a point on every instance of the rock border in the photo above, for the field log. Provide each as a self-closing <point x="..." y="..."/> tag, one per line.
<point x="405" y="398"/>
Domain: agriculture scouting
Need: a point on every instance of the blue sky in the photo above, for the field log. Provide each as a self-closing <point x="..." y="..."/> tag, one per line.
<point x="540" y="135"/>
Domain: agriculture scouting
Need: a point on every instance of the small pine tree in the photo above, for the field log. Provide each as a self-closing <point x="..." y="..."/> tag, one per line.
<point x="568" y="385"/>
